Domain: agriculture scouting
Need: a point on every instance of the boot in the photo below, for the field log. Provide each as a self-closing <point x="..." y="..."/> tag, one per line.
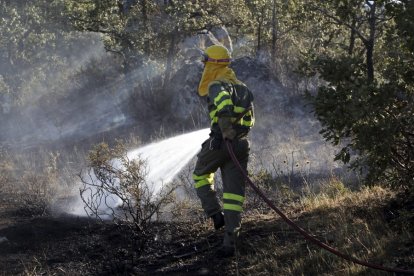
<point x="218" y="220"/>
<point x="226" y="252"/>
<point x="229" y="245"/>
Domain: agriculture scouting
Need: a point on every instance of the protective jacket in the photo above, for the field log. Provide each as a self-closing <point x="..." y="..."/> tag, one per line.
<point x="230" y="100"/>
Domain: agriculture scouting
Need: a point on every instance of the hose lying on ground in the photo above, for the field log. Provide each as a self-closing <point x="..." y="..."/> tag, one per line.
<point x="301" y="230"/>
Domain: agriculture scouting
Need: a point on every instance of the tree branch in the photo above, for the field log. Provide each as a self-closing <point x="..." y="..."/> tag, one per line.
<point x="339" y="21"/>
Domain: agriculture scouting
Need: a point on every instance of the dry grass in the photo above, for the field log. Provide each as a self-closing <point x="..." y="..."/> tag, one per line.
<point x="355" y="222"/>
<point x="352" y="222"/>
<point x="33" y="181"/>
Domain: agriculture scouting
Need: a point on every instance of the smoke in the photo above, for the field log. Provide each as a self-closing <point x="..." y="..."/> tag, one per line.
<point x="44" y="101"/>
<point x="87" y="97"/>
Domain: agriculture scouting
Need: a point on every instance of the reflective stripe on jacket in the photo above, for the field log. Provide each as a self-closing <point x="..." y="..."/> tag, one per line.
<point x="230" y="100"/>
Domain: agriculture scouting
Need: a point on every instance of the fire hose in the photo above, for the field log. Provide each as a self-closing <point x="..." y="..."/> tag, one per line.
<point x="305" y="234"/>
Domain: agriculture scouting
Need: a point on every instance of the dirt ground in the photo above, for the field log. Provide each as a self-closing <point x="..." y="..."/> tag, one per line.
<point x="68" y="245"/>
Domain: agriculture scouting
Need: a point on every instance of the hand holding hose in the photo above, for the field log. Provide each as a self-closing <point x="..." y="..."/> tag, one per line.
<point x="226" y="127"/>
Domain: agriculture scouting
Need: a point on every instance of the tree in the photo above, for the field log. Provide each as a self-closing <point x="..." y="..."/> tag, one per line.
<point x="371" y="114"/>
<point x="32" y="36"/>
<point x="360" y="21"/>
<point x="259" y="10"/>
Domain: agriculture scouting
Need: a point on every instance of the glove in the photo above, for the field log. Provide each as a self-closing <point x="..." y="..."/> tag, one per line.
<point x="226" y="127"/>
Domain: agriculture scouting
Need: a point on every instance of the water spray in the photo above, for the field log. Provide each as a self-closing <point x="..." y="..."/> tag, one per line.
<point x="163" y="160"/>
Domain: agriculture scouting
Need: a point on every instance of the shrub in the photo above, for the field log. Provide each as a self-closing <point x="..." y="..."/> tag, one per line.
<point x="38" y="194"/>
<point x="29" y="184"/>
<point x="115" y="187"/>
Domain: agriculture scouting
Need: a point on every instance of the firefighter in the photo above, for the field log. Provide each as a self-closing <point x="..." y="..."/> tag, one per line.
<point x="230" y="107"/>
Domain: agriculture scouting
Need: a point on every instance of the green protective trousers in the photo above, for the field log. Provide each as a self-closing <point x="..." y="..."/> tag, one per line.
<point x="214" y="155"/>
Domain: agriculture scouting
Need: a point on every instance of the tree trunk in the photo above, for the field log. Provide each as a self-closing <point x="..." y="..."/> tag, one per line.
<point x="170" y="57"/>
<point x="147" y="50"/>
<point x="370" y="61"/>
<point x="259" y="37"/>
<point x="370" y="44"/>
<point x="274" y="32"/>
<point x="352" y="38"/>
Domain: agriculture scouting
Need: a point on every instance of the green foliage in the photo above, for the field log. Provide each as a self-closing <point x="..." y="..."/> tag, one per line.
<point x="365" y="56"/>
<point x="36" y="42"/>
<point x="372" y="118"/>
<point x="40" y="36"/>
<point x="405" y="21"/>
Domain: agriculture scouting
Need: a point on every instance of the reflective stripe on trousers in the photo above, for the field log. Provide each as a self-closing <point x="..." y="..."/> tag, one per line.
<point x="209" y="160"/>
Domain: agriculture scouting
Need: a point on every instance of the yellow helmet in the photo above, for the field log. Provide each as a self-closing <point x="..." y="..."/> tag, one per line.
<point x="217" y="54"/>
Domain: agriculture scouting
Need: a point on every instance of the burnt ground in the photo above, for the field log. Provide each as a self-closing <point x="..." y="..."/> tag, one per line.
<point x="74" y="246"/>
<point x="68" y="245"/>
